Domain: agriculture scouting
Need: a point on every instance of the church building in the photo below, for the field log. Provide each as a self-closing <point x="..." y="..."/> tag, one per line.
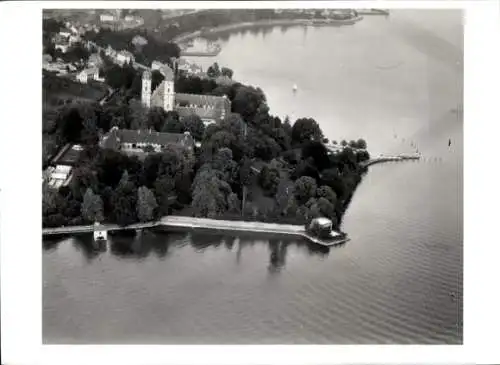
<point x="211" y="109"/>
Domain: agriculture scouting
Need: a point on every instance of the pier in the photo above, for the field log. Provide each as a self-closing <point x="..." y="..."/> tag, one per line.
<point x="192" y="223"/>
<point x="381" y="158"/>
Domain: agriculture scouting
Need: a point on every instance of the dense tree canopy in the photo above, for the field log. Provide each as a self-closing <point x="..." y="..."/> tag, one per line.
<point x="209" y="181"/>
<point x="306" y="129"/>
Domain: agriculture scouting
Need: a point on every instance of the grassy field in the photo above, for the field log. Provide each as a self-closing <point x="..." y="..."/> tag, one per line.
<point x="57" y="91"/>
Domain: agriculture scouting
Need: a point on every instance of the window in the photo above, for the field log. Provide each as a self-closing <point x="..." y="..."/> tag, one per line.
<point x="133" y="145"/>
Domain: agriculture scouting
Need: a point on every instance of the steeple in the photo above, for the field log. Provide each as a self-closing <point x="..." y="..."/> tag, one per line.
<point x="146" y="89"/>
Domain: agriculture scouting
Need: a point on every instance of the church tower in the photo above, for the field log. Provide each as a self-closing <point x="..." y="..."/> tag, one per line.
<point x="146" y="89"/>
<point x="169" y="95"/>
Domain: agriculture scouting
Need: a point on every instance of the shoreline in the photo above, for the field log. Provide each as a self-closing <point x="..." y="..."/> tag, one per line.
<point x="276" y="22"/>
<point x="192" y="223"/>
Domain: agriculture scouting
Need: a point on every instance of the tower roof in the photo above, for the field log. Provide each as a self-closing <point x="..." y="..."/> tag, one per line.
<point x="167" y="72"/>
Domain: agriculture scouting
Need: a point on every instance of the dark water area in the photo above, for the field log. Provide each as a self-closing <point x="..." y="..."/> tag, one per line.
<point x="398" y="83"/>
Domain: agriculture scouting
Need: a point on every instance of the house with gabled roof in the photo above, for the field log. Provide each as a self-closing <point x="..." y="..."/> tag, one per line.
<point x="144" y="141"/>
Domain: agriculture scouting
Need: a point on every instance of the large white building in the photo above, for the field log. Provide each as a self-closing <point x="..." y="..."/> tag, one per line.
<point x="89" y="74"/>
<point x="211" y="109"/>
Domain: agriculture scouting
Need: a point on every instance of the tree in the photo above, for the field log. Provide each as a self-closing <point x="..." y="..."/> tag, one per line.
<point x="92" y="207"/>
<point x="247" y="102"/>
<point x="234" y="124"/>
<point x="138" y="115"/>
<point x="264" y="147"/>
<point x="150" y="169"/>
<point x="361" y="144"/>
<point x="173" y="124"/>
<point x="245" y="172"/>
<point x="83" y="178"/>
<point x="326" y="192"/>
<point x="70" y="124"/>
<point x="233" y="204"/>
<point x="164" y="189"/>
<point x="156" y="118"/>
<point x="306" y="168"/>
<point x="326" y="208"/>
<point x="222" y="139"/>
<point x="146" y="204"/>
<point x="175" y="162"/>
<point x="304" y="189"/>
<point x="123" y="201"/>
<point x="362" y="156"/>
<point x="213" y="71"/>
<point x="89" y="134"/>
<point x="318" y="152"/>
<point x="227" y="72"/>
<point x="223" y="162"/>
<point x="306" y="129"/>
<point x="210" y="193"/>
<point x="343" y="143"/>
<point x="194" y="125"/>
<point x="269" y="179"/>
<point x="49" y="200"/>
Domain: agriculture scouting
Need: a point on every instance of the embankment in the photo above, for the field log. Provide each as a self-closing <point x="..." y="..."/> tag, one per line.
<point x="275" y="22"/>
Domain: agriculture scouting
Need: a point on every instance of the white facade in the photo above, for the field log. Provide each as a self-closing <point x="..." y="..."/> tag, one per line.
<point x="146" y="89"/>
<point x="82" y="77"/>
<point x="89" y="74"/>
<point x="156" y="65"/>
<point x="62" y="47"/>
<point x="74" y="39"/>
<point x="168" y="100"/>
<point x="59" y="176"/>
<point x="107" y="18"/>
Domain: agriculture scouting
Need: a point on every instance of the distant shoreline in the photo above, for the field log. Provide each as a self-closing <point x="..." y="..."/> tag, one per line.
<point x="315" y="22"/>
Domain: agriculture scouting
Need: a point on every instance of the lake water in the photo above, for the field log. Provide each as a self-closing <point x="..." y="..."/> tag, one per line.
<point x="394" y="81"/>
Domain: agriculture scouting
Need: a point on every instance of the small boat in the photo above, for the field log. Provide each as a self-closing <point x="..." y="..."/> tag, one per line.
<point x="294" y="88"/>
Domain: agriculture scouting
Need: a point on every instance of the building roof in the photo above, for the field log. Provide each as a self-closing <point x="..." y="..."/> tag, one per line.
<point x="322" y="221"/>
<point x="91" y="71"/>
<point x="158" y="95"/>
<point x="94" y="58"/>
<point x="202" y="100"/>
<point x="139" y="40"/>
<point x="126" y="53"/>
<point x="167" y="72"/>
<point x="205" y="106"/>
<point x="147" y="137"/>
<point x="202" y="113"/>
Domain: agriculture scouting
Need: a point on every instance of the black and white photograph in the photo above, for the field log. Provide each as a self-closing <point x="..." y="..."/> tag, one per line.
<point x="251" y="175"/>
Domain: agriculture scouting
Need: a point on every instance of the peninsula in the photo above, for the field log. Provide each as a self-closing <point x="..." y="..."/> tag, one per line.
<point x="164" y="142"/>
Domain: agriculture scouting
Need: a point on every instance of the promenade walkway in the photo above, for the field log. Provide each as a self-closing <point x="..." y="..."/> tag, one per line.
<point x="90" y="228"/>
<point x="189" y="223"/>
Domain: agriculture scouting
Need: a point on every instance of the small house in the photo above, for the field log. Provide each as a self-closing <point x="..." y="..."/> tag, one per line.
<point x="107" y="17"/>
<point x="88" y="74"/>
<point x="321" y="227"/>
<point x="99" y="233"/>
<point x="124" y="57"/>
